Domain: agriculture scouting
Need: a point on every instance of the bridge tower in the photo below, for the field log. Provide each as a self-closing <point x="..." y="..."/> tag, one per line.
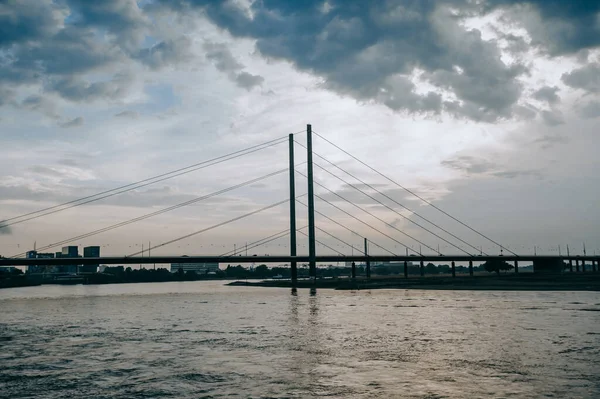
<point x="293" y="264"/>
<point x="312" y="264"/>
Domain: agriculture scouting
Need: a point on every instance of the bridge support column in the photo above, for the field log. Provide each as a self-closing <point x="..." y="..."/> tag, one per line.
<point x="312" y="264"/>
<point x="516" y="266"/>
<point x="367" y="262"/>
<point x="594" y="265"/>
<point x="293" y="264"/>
<point x="571" y="265"/>
<point x="422" y="269"/>
<point x="471" y="268"/>
<point x="453" y="269"/>
<point x="577" y="265"/>
<point x="405" y="269"/>
<point x="353" y="271"/>
<point x="583" y="265"/>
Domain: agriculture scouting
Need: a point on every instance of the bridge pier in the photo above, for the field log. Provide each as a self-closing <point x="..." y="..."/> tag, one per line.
<point x="516" y="266"/>
<point x="353" y="270"/>
<point x="577" y="265"/>
<point x="571" y="265"/>
<point x="293" y="264"/>
<point x="422" y="269"/>
<point x="594" y="265"/>
<point x="405" y="269"/>
<point x="583" y="265"/>
<point x="471" y="268"/>
<point x="453" y="269"/>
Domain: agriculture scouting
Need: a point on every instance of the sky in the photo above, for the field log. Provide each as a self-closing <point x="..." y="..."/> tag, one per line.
<point x="488" y="109"/>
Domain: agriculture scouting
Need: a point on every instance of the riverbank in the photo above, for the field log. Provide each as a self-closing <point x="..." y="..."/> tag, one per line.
<point x="521" y="282"/>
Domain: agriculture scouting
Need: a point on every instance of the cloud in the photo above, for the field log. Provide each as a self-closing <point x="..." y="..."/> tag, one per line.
<point x="547" y="94"/>
<point x="478" y="166"/>
<point x="548" y="141"/>
<point x="512" y="174"/>
<point x="369" y="51"/>
<point x="469" y="164"/>
<point x="5" y="230"/>
<point x="590" y="110"/>
<point x="586" y="78"/>
<point x="248" y="81"/>
<point x="42" y="104"/>
<point x="224" y="61"/>
<point x="45" y="170"/>
<point x="128" y="114"/>
<point x="560" y="27"/>
<point x="76" y="122"/>
<point x="166" y="53"/>
<point x="80" y="50"/>
<point x="552" y="118"/>
<point x="221" y="56"/>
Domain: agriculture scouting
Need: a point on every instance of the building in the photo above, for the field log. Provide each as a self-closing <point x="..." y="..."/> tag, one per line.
<point x="391" y="264"/>
<point x="90" y="252"/>
<point x="72" y="251"/>
<point x="199" y="268"/>
<point x="41" y="269"/>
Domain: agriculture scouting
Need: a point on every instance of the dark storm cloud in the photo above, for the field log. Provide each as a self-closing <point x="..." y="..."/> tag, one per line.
<point x="566" y="26"/>
<point x="368" y="50"/>
<point x="372" y="51"/>
<point x="59" y="45"/>
<point x="547" y="94"/>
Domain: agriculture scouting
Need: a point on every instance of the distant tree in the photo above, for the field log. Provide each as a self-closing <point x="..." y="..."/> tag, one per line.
<point x="191" y="275"/>
<point x="261" y="271"/>
<point x="430" y="268"/>
<point x="497" y="265"/>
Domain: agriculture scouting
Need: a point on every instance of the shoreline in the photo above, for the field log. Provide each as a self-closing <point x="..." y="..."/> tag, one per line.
<point x="562" y="282"/>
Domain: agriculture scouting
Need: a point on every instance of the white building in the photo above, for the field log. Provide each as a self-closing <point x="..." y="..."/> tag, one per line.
<point x="199" y="268"/>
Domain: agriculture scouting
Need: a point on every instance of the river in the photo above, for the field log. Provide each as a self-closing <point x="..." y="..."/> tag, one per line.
<point x="207" y="340"/>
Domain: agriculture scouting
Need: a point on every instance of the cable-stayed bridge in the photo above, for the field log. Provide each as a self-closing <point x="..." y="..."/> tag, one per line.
<point x="464" y="249"/>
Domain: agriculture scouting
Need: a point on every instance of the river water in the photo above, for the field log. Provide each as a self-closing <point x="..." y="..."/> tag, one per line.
<point x="206" y="340"/>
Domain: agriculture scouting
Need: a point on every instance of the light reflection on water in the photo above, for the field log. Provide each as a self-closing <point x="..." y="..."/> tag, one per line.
<point x="203" y="339"/>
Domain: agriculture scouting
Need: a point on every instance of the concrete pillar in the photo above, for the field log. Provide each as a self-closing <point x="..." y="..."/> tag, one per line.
<point x="422" y="269"/>
<point x="453" y="269"/>
<point x="577" y="265"/>
<point x="571" y="265"/>
<point x="353" y="270"/>
<point x="405" y="269"/>
<point x="516" y="266"/>
<point x="583" y="265"/>
<point x="471" y="268"/>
